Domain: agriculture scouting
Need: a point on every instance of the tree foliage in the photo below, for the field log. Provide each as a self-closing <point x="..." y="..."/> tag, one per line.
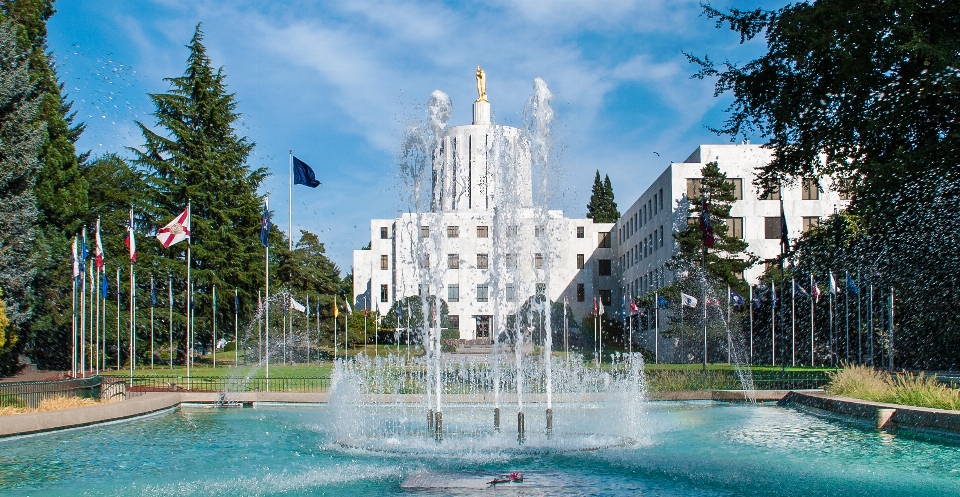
<point x="602" y="207"/>
<point x="867" y="93"/>
<point x="728" y="258"/>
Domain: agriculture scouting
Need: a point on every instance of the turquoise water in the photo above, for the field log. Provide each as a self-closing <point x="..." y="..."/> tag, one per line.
<point x="681" y="449"/>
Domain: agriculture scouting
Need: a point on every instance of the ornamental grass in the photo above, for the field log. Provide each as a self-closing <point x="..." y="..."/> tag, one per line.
<point x="50" y="404"/>
<point x="866" y="383"/>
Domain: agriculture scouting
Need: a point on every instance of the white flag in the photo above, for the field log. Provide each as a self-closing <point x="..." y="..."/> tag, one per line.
<point x="297" y="306"/>
<point x="688" y="300"/>
<point x="76" y="262"/>
<point x="349" y="311"/>
<point x="175" y="231"/>
<point x="833" y="284"/>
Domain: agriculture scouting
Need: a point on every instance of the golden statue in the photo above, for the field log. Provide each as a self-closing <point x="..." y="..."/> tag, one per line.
<point x="481" y="85"/>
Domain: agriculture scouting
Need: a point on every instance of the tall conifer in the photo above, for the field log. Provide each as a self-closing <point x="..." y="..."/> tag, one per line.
<point x="198" y="156"/>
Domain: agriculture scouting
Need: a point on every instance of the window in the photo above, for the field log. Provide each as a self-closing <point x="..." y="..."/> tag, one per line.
<point x="541" y="288"/>
<point x="771" y="228"/>
<point x="581" y="292"/>
<point x="384" y="293"/>
<point x="483" y="293"/>
<point x="661" y="199"/>
<point x="511" y="293"/>
<point x="810" y="223"/>
<point x="654" y="202"/>
<point x="512" y="230"/>
<point x="453" y="261"/>
<point x="579" y="231"/>
<point x="538" y="261"/>
<point x="773" y="193"/>
<point x="454" y="321"/>
<point x="661" y="236"/>
<point x="579" y="261"/>
<point x="510" y="260"/>
<point x="810" y="189"/>
<point x="734" y="227"/>
<point x="453" y="232"/>
<point x="483" y="326"/>
<point x="453" y="293"/>
<point x="483" y="232"/>
<point x="384" y="262"/>
<point x="425" y="261"/>
<point x="603" y="267"/>
<point x="606" y="298"/>
<point x="693" y="187"/>
<point x="384" y="233"/>
<point x="737" y="187"/>
<point x="604" y="239"/>
<point x="483" y="261"/>
<point x="693" y="221"/>
<point x="424" y="232"/>
<point x="844" y="195"/>
<point x="537" y="230"/>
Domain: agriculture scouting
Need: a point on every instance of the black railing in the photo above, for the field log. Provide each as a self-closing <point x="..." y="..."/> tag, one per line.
<point x="29" y="394"/>
<point x="203" y="384"/>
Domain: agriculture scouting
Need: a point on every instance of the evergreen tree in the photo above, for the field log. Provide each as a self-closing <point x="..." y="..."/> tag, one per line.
<point x="602" y="207"/>
<point x="201" y="159"/>
<point x="308" y="271"/>
<point x="60" y="190"/>
<point x="21" y="137"/>
<point x="728" y="258"/>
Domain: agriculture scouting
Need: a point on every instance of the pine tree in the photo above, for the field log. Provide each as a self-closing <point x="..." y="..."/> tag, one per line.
<point x="60" y="191"/>
<point x="602" y="207"/>
<point x="21" y="138"/>
<point x="728" y="258"/>
<point x="201" y="159"/>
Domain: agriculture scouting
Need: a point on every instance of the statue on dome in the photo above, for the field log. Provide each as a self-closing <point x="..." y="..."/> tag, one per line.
<point x="481" y="85"/>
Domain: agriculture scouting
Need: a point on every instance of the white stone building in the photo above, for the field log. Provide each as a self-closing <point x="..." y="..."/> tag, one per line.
<point x="643" y="234"/>
<point x="485" y="246"/>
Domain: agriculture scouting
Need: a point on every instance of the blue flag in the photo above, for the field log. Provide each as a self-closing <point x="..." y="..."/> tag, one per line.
<point x="662" y="302"/>
<point x="153" y="294"/>
<point x="851" y="286"/>
<point x="104" y="288"/>
<point x="265" y="225"/>
<point x="735" y="298"/>
<point x="83" y="252"/>
<point x="236" y="303"/>
<point x="799" y="289"/>
<point x="303" y="174"/>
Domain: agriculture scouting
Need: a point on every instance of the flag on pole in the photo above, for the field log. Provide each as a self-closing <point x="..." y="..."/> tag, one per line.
<point x="347" y="304"/>
<point x="83" y="252"/>
<point x="175" y="231"/>
<point x="688" y="300"/>
<point x="633" y="307"/>
<point x="236" y="302"/>
<point x="98" y="250"/>
<point x="706" y="226"/>
<point x="799" y="289"/>
<point x="623" y="306"/>
<point x="773" y="296"/>
<point x="153" y="294"/>
<point x="784" y="233"/>
<point x="76" y="260"/>
<point x="735" y="298"/>
<point x="596" y="310"/>
<point x="303" y="174"/>
<point x="815" y="289"/>
<point x="851" y="286"/>
<point x="104" y="287"/>
<point x="336" y="312"/>
<point x="833" y="284"/>
<point x="131" y="242"/>
<point x="602" y="310"/>
<point x="265" y="226"/>
<point x="297" y="306"/>
<point x="662" y="302"/>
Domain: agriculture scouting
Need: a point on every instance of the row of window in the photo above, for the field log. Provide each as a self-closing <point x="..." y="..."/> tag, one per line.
<point x="484" y="232"/>
<point x="644" y="248"/>
<point x="483" y="261"/>
<point x="606" y="296"/>
<point x="652" y="280"/>
<point x="809" y="189"/>
<point x="642" y="216"/>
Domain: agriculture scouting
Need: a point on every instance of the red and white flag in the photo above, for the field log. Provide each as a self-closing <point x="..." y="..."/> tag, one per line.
<point x="175" y="231"/>
<point x="98" y="250"/>
<point x="130" y="241"/>
<point x="633" y="307"/>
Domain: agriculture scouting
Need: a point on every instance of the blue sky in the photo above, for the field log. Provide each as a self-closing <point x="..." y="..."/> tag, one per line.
<point x="337" y="81"/>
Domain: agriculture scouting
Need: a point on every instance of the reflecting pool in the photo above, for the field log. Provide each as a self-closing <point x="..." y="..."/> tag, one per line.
<point x="690" y="448"/>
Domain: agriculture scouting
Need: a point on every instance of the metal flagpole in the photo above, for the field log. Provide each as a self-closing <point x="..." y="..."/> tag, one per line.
<point x="793" y="322"/>
<point x="96" y="319"/>
<point x="859" y="323"/>
<point x="259" y="327"/>
<point x="833" y="342"/>
<point x="103" y="322"/>
<point x="870" y="321"/>
<point x="773" y="323"/>
<point x="308" y="329"/>
<point x="214" y="338"/>
<point x="376" y="333"/>
<point x="365" y="312"/>
<point x="118" y="319"/>
<point x="93" y="295"/>
<point x="132" y="313"/>
<point x="189" y="306"/>
<point x="656" y="327"/>
<point x="236" y="328"/>
<point x="729" y="342"/>
<point x="891" y="329"/>
<point x="336" y="332"/>
<point x="846" y="311"/>
<point x="152" y="305"/>
<point x="812" y="338"/>
<point x="75" y="274"/>
<point x="318" y="329"/>
<point x="83" y="308"/>
<point x="751" y="324"/>
<point x="266" y="300"/>
<point x="170" y="315"/>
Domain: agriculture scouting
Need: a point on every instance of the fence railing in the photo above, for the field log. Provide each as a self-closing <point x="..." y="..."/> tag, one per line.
<point x="29" y="394"/>
<point x="202" y="384"/>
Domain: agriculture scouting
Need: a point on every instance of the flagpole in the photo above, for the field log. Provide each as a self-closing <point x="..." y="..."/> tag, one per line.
<point x="214" y="339"/>
<point x="656" y="327"/>
<point x="266" y="292"/>
<point x="891" y="328"/>
<point x="132" y="312"/>
<point x="870" y="321"/>
<point x="833" y="342"/>
<point x="74" y="273"/>
<point x="189" y="304"/>
<point x="118" y="319"/>
<point x="336" y="333"/>
<point x="846" y="311"/>
<point x="103" y="320"/>
<point x="812" y="338"/>
<point x="236" y="329"/>
<point x="96" y="320"/>
<point x="729" y="341"/>
<point x="152" y="305"/>
<point x="308" y="329"/>
<point x="83" y="308"/>
<point x="793" y="322"/>
<point x="773" y="323"/>
<point x="859" y="323"/>
<point x="92" y="296"/>
<point x="751" y="324"/>
<point x="170" y="315"/>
